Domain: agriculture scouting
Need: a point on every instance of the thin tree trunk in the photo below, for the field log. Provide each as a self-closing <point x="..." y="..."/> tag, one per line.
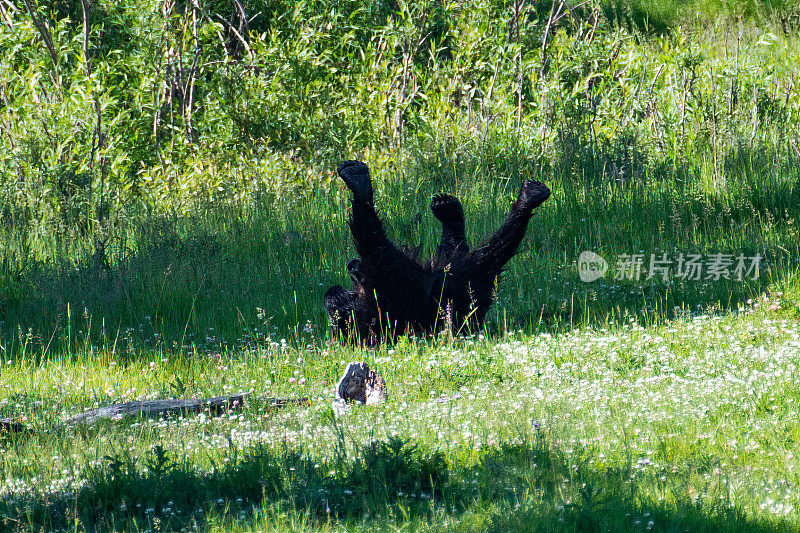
<point x="46" y="38"/>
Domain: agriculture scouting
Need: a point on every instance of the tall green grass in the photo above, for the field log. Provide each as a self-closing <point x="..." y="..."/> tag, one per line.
<point x="165" y="177"/>
<point x="202" y="279"/>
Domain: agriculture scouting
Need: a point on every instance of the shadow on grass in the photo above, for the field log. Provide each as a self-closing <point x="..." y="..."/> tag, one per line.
<point x="524" y="487"/>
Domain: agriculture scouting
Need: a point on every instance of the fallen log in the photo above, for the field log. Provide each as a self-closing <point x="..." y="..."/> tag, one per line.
<point x="154" y="409"/>
<point x="11" y="426"/>
<point x="159" y="408"/>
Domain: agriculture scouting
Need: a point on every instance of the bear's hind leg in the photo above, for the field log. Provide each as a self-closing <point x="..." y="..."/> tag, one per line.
<point x="448" y="210"/>
<point x="355" y="175"/>
<point x="375" y="250"/>
<point x="488" y="260"/>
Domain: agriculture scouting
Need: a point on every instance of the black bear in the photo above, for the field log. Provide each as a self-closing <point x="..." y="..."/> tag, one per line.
<point x="393" y="292"/>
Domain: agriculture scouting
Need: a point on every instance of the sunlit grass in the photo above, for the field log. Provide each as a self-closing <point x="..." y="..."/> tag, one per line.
<point x="675" y="424"/>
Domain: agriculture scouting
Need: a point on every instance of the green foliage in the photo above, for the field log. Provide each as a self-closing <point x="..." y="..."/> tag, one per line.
<point x="170" y="219"/>
<point x="152" y="107"/>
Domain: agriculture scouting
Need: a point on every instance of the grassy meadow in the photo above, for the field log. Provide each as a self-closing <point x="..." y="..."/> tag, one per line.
<point x="170" y="219"/>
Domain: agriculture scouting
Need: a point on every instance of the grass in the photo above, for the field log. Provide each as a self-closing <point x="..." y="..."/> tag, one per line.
<point x="169" y="231"/>
<point x="172" y="283"/>
<point x="184" y="220"/>
<point x="690" y="425"/>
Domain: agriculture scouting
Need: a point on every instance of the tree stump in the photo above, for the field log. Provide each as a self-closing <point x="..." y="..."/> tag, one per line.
<point x="359" y="384"/>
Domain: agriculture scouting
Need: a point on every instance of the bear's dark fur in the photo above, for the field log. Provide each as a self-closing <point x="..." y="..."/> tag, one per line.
<point x="393" y="292"/>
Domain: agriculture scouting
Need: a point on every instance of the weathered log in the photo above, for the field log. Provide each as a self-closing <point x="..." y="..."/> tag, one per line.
<point x="11" y="426"/>
<point x="154" y="408"/>
<point x="159" y="408"/>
